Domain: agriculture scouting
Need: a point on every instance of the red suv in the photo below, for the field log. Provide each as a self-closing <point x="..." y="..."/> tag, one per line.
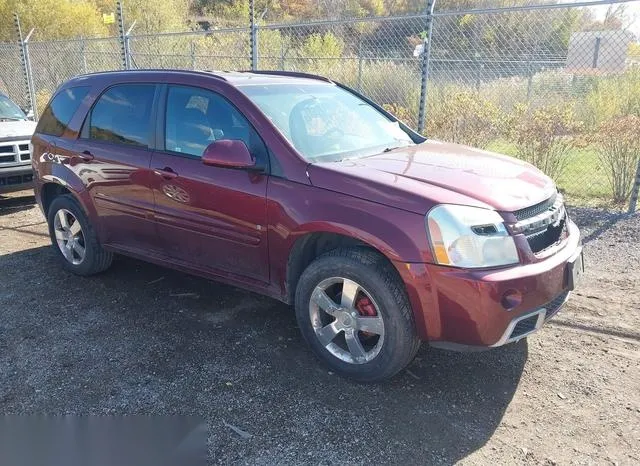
<point x="299" y="188"/>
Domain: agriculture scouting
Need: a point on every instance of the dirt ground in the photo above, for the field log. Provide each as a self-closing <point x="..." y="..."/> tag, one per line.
<point x="143" y="339"/>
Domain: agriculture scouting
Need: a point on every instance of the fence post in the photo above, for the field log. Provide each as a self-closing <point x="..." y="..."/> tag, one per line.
<point x="426" y="55"/>
<point x="83" y="46"/>
<point x="122" y="37"/>
<point x="193" y="55"/>
<point x="253" y="32"/>
<point x="32" y="88"/>
<point x="634" y="192"/>
<point x="359" y="86"/>
<point x="26" y="67"/>
<point x="282" y="56"/>
<point x="529" y="79"/>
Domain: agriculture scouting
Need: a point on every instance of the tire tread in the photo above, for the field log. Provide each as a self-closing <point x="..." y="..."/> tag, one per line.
<point x="100" y="259"/>
<point x="374" y="261"/>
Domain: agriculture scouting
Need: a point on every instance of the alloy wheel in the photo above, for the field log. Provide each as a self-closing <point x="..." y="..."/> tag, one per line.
<point x="346" y="320"/>
<point x="69" y="236"/>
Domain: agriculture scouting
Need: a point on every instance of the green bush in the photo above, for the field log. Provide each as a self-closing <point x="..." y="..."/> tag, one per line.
<point x="322" y="46"/>
<point x="612" y="97"/>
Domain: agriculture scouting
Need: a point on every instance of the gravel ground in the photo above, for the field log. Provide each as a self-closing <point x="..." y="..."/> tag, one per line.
<point x="143" y="339"/>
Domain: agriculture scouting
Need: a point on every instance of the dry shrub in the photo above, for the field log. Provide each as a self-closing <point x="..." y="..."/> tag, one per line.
<point x="545" y="136"/>
<point x="461" y="115"/>
<point x="401" y="113"/>
<point x="42" y="99"/>
<point x="618" y="141"/>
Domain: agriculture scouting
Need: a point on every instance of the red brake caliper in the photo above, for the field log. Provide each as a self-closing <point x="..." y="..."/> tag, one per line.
<point x="366" y="308"/>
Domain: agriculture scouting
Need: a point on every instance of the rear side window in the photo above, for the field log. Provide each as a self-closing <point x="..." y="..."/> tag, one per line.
<point x="58" y="114"/>
<point x="122" y="115"/>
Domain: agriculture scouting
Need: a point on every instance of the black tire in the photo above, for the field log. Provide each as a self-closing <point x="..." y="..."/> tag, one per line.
<point x="96" y="259"/>
<point x="372" y="271"/>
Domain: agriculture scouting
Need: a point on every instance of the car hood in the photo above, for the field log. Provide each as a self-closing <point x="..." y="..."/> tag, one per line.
<point x="417" y="177"/>
<point x="17" y="129"/>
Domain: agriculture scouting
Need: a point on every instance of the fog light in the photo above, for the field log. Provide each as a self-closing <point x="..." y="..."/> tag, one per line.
<point x="511" y="299"/>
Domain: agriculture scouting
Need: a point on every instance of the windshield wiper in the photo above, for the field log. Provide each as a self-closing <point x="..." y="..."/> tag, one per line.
<point x="390" y="148"/>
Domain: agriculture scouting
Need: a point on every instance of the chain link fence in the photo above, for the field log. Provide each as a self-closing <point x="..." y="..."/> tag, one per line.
<point x="12" y="80"/>
<point x="554" y="84"/>
<point x="225" y="49"/>
<point x="54" y="62"/>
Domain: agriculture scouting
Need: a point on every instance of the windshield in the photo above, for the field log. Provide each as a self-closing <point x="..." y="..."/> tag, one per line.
<point x="9" y="110"/>
<point x="325" y="122"/>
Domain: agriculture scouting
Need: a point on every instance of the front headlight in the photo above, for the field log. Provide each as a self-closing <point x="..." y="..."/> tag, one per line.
<point x="469" y="237"/>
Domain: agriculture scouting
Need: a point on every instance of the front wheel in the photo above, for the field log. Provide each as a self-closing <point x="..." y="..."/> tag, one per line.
<point x="353" y="311"/>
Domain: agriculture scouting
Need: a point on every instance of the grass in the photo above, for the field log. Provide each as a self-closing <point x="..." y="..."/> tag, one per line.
<point x="584" y="181"/>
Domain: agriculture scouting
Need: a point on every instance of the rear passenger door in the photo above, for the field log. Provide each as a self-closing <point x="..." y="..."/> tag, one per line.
<point x="209" y="218"/>
<point x="115" y="142"/>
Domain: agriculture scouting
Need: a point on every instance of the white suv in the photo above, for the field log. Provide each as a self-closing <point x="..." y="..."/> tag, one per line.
<point x="15" y="156"/>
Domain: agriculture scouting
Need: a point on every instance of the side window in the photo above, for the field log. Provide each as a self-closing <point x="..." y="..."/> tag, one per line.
<point x="58" y="114"/>
<point x="122" y="115"/>
<point x="197" y="117"/>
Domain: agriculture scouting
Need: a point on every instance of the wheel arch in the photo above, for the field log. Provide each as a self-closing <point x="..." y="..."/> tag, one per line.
<point x="52" y="187"/>
<point x="49" y="192"/>
<point x="310" y="245"/>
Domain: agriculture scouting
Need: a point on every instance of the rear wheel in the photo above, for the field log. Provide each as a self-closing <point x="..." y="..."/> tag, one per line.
<point x="354" y="313"/>
<point x="74" y="239"/>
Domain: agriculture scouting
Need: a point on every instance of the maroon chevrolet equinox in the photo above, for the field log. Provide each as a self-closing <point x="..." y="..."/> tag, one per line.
<point x="299" y="188"/>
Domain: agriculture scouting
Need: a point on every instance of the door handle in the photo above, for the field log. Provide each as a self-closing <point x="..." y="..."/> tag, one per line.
<point x="86" y="156"/>
<point x="166" y="173"/>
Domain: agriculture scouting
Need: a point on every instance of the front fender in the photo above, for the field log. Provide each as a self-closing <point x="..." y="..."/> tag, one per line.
<point x="296" y="210"/>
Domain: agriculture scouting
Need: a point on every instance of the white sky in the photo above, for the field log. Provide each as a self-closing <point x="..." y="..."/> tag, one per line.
<point x="632" y="13"/>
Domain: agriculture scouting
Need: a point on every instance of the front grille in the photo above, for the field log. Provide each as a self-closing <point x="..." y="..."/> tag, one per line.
<point x="14" y="152"/>
<point x="536" y="209"/>
<point x="543" y="224"/>
<point x="540" y="241"/>
<point x="555" y="305"/>
<point x="524" y="326"/>
<point x="15" y="179"/>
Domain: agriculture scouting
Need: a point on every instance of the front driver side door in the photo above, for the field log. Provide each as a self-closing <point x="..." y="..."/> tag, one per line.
<point x="209" y="218"/>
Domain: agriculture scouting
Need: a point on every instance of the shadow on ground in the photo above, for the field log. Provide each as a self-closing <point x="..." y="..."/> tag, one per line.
<point x="595" y="222"/>
<point x="144" y="339"/>
<point x="11" y="205"/>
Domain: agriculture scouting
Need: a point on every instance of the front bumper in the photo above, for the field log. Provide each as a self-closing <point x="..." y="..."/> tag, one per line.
<point x="464" y="309"/>
<point x="16" y="178"/>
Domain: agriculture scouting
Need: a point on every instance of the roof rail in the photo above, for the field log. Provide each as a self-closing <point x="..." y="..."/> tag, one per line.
<point x="214" y="74"/>
<point x="292" y="74"/>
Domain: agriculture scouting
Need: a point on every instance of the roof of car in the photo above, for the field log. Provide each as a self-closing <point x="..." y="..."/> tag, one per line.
<point x="235" y="78"/>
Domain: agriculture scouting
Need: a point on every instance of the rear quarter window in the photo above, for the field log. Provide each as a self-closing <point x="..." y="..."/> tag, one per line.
<point x="60" y="110"/>
<point x="122" y="115"/>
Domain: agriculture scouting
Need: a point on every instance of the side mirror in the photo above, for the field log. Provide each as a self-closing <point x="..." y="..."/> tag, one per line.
<point x="228" y="153"/>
